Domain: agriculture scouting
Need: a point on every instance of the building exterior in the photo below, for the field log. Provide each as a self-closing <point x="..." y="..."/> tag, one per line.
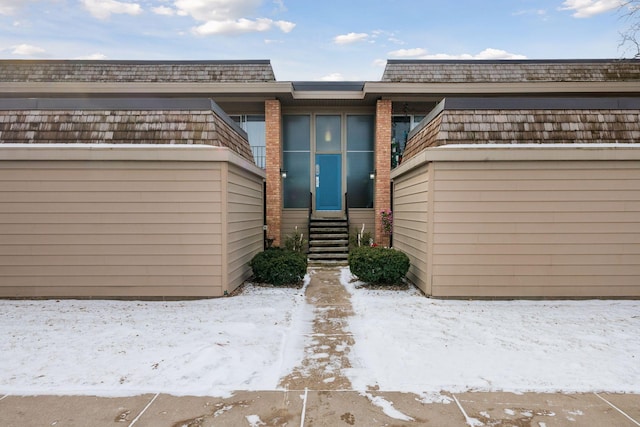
<point x="328" y="149"/>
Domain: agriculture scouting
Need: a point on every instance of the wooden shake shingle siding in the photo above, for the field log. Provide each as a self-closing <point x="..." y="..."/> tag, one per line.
<point x="121" y="127"/>
<point x="447" y="126"/>
<point x="137" y="71"/>
<point x="510" y="71"/>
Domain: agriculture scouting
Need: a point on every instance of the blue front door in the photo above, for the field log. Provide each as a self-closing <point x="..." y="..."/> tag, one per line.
<point x="328" y="182"/>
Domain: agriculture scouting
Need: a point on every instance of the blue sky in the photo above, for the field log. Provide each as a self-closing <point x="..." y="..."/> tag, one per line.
<point x="311" y="40"/>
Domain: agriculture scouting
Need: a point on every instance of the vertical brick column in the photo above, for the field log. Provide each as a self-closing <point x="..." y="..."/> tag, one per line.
<point x="382" y="186"/>
<point x="273" y="117"/>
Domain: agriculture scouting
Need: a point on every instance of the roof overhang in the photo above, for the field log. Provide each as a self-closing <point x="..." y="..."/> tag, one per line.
<point x="265" y="89"/>
<point x="436" y="91"/>
<point x="364" y="92"/>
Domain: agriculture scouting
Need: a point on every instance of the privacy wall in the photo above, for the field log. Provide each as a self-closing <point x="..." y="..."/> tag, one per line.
<point x="521" y="220"/>
<point x="126" y="221"/>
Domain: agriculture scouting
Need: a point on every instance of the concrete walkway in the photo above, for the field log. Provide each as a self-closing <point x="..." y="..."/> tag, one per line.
<point x="318" y="393"/>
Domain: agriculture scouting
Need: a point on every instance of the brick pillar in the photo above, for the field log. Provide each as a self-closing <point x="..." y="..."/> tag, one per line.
<point x="383" y="167"/>
<point x="273" y="117"/>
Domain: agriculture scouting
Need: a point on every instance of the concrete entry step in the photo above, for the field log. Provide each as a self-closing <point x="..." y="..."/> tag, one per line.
<point x="333" y="242"/>
<point x="328" y="241"/>
<point x="330" y="236"/>
<point x="328" y="224"/>
<point x="322" y="230"/>
<point x="336" y="249"/>
<point x="328" y="255"/>
<point x="327" y="263"/>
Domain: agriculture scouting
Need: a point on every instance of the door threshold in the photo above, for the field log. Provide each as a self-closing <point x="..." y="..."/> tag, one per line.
<point x="328" y="215"/>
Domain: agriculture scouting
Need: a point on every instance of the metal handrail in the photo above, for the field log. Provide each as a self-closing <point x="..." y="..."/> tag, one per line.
<point x="346" y="206"/>
<point x="309" y="220"/>
<point x="346" y="212"/>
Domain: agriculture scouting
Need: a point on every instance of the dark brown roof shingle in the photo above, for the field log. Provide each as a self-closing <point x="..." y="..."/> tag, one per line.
<point x="510" y="71"/>
<point x="136" y="71"/>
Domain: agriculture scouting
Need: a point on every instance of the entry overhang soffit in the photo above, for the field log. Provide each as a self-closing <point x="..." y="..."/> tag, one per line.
<point x="239" y="89"/>
<point x="402" y="91"/>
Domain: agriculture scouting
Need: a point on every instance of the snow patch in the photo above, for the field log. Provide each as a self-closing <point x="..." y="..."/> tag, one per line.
<point x="435" y="397"/>
<point x="387" y="407"/>
<point x="255" y="421"/>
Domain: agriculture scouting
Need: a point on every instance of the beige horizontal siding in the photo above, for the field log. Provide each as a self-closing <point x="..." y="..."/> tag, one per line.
<point x="534" y="229"/>
<point x="357" y="217"/>
<point x="292" y="218"/>
<point x="244" y="224"/>
<point x="410" y="223"/>
<point x="96" y="228"/>
<point x="109" y="291"/>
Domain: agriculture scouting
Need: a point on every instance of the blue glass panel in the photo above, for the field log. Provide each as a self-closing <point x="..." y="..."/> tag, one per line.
<point x="328" y="135"/>
<point x="360" y="133"/>
<point x="296" y="133"/>
<point x="296" y="186"/>
<point x="359" y="184"/>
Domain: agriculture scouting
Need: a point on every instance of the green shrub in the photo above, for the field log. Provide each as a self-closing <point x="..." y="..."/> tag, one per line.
<point x="365" y="239"/>
<point x="376" y="265"/>
<point x="295" y="242"/>
<point x="279" y="266"/>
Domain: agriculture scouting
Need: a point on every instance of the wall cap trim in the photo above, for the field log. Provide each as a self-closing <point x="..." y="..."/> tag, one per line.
<point x="519" y="153"/>
<point x="126" y="152"/>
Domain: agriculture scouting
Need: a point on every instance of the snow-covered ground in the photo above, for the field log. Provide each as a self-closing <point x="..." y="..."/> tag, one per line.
<point x="411" y="343"/>
<point x="404" y="342"/>
<point x="121" y="348"/>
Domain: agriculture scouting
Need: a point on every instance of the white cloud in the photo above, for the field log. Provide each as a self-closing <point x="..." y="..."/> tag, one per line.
<point x="285" y="26"/>
<point x="242" y="25"/>
<point x="539" y="12"/>
<point x="589" y="8"/>
<point x="217" y="10"/>
<point x="379" y="62"/>
<point x="163" y="10"/>
<point x="280" y="7"/>
<point x="8" y="7"/>
<point x="229" y="16"/>
<point x="350" y="38"/>
<point x="103" y="9"/>
<point x="94" y="56"/>
<point x="26" y="50"/>
<point x="408" y="53"/>
<point x="333" y="77"/>
<point x="489" y="53"/>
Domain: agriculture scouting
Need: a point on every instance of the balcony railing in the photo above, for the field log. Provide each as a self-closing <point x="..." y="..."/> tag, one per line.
<point x="260" y="156"/>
